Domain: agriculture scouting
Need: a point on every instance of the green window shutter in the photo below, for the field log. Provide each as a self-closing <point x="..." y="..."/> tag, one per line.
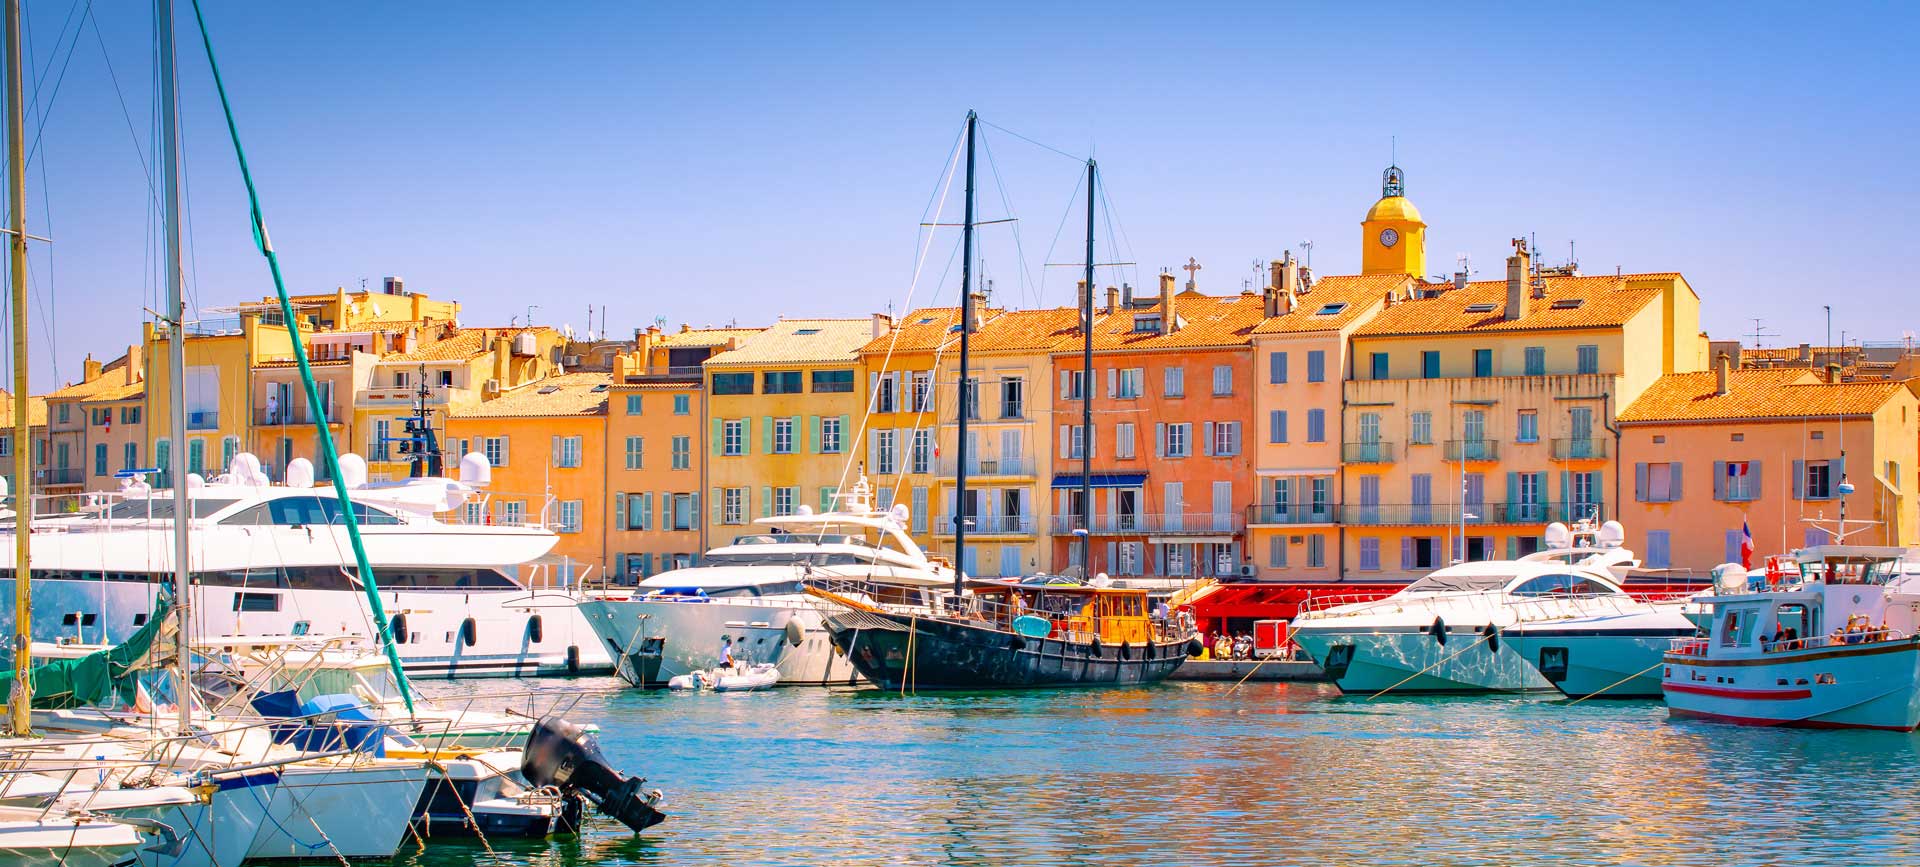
<point x="620" y="511"/>
<point x="846" y="429"/>
<point x="719" y="437"/>
<point x="813" y="434"/>
<point x="646" y="511"/>
<point x="766" y="502"/>
<point x="717" y="505"/>
<point x="766" y="435"/>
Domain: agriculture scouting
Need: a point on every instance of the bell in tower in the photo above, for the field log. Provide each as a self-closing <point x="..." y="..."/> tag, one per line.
<point x="1393" y="237"/>
<point x="1392" y="183"/>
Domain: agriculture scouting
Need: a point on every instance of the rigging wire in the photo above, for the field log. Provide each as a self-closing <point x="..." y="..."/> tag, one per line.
<point x="1038" y="144"/>
<point x="1025" y="273"/>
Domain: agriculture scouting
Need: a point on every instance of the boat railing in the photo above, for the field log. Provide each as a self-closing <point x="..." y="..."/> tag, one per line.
<point x="1567" y="606"/>
<point x="1316" y="604"/>
<point x="1699" y="646"/>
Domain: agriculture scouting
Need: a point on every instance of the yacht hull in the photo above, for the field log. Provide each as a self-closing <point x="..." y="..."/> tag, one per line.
<point x="346" y="811"/>
<point x="653" y="641"/>
<point x="1868" y="686"/>
<point x="218" y="833"/>
<point x="1596" y="663"/>
<point x="504" y="637"/>
<point x="897" y="651"/>
<point x="1413" y="661"/>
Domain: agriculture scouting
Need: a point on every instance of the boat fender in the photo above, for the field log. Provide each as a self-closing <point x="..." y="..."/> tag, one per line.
<point x="1093" y="647"/>
<point x="1126" y="650"/>
<point x="469" y="632"/>
<point x="1016" y="644"/>
<point x="573" y="659"/>
<point x="1493" y="637"/>
<point x="1438" y="630"/>
<point x="795" y="633"/>
<point x="397" y="628"/>
<point x="1195" y="648"/>
<point x="535" y="630"/>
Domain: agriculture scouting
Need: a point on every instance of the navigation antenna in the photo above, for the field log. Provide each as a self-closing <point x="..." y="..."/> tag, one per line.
<point x="417" y="440"/>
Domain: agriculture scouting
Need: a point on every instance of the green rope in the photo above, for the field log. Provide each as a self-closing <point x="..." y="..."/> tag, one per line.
<point x="262" y="241"/>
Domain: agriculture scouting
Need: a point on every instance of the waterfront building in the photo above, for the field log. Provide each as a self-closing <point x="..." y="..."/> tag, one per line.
<point x="656" y="456"/>
<point x="458" y="368"/>
<point x="907" y="406"/>
<point x="1708" y="453"/>
<point x="783" y="410"/>
<point x="1171" y="388"/>
<point x="546" y="440"/>
<point x="36" y="434"/>
<point x="96" y="427"/>
<point x="221" y="355"/>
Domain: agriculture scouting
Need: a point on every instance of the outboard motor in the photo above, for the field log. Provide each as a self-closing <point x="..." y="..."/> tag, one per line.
<point x="563" y="754"/>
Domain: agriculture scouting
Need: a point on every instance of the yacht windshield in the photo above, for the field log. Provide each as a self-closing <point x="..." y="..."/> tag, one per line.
<point x="1438" y="583"/>
<point x="783" y="558"/>
<point x="162" y="507"/>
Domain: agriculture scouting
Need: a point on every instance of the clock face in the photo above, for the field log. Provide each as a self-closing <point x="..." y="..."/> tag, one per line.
<point x="1389" y="237"/>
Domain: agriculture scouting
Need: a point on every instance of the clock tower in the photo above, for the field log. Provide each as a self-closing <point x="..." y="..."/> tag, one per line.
<point x="1393" y="238"/>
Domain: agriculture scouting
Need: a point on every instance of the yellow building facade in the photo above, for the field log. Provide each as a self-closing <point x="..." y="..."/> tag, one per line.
<point x="458" y="367"/>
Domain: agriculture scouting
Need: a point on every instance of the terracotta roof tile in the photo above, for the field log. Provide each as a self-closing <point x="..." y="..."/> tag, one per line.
<point x="1026" y="330"/>
<point x="706" y="337"/>
<point x="1605" y="302"/>
<point x="569" y="394"/>
<point x="1755" y="394"/>
<point x="800" y="341"/>
<point x="461" y="344"/>
<point x="924" y="330"/>
<point x="1357" y="293"/>
<point x="36" y="410"/>
<point x="1206" y="320"/>
<point x="112" y="378"/>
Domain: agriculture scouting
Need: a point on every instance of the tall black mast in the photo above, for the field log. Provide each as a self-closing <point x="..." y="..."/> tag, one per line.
<point x="966" y="387"/>
<point x="1086" y="388"/>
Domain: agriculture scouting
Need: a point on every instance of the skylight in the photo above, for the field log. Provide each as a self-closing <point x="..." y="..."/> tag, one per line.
<point x="1567" y="303"/>
<point x="925" y="320"/>
<point x="549" y="389"/>
<point x="600" y="387"/>
<point x="807" y="331"/>
<point x="1482" y="307"/>
<point x="1331" y="309"/>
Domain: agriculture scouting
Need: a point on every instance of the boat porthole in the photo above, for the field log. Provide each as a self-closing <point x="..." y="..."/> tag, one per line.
<point x="536" y="631"/>
<point x="397" y="627"/>
<point x="469" y="632"/>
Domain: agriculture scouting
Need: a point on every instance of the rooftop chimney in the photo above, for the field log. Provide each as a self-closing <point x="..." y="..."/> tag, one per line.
<point x="1126" y="295"/>
<point x="90" y="369"/>
<point x="1459" y="279"/>
<point x="1518" y="266"/>
<point x="1833" y="371"/>
<point x="1168" y="308"/>
<point x="977" y="302"/>
<point x="1721" y="366"/>
<point x="1113" y="299"/>
<point x="394" y="286"/>
<point x="1289" y="283"/>
<point x="1806" y="352"/>
<point x="882" y="323"/>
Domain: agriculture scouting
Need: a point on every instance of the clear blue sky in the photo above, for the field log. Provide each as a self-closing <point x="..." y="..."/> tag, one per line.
<point x="705" y="166"/>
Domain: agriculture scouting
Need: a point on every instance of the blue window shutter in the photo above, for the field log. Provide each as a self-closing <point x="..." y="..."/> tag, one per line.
<point x="1640" y="482"/>
<point x="718" y="506"/>
<point x="620" y="511"/>
<point x="1406" y="552"/>
<point x="1673" y="482"/>
<point x="1799" y="480"/>
<point x="1719" y="480"/>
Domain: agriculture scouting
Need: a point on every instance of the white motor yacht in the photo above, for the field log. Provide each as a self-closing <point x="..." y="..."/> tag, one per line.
<point x="274" y="559"/>
<point x="748" y="599"/>
<point x="1555" y="620"/>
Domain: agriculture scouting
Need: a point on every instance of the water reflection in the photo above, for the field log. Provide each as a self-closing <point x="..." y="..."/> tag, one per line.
<point x="1184" y="774"/>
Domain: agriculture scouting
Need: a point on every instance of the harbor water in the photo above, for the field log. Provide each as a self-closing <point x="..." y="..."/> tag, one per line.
<point x="1205" y="774"/>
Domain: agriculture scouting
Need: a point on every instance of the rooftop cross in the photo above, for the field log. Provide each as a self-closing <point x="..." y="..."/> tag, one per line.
<point x="1192" y="268"/>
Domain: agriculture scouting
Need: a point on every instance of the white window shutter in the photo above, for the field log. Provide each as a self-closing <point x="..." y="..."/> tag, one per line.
<point x="1159" y="439"/>
<point x="1113" y="387"/>
<point x="1066" y="441"/>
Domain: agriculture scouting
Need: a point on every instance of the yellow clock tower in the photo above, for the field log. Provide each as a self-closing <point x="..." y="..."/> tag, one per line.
<point x="1393" y="238"/>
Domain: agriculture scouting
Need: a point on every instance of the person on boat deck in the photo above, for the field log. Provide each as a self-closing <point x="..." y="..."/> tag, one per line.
<point x="726" y="652"/>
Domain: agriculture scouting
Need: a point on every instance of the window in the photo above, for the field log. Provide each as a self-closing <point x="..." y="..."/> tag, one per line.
<point x="970" y="397"/>
<point x="923" y="391"/>
<point x="1659" y="549"/>
<point x="446" y="378"/>
<point x="1226" y="439"/>
<point x="783" y="436"/>
<point x="1586" y="492"/>
<point x="633" y="404"/>
<point x="884" y="388"/>
<point x="1277" y="426"/>
<point x="1176" y="382"/>
<point x="733" y="438"/>
<point x="830" y="430"/>
<point x="733" y="505"/>
<point x="401" y="379"/>
<point x="1316" y="551"/>
<point x="922" y="451"/>
<point x="1736" y="481"/>
<point x="1316" y="425"/>
<point x="1074" y="384"/>
<point x="1317" y="366"/>
<point x="884" y="452"/>
<point x="785" y="500"/>
<point x="1817" y="481"/>
<point x="1369" y="554"/>
<point x="566" y="451"/>
<point x="682" y="404"/>
<point x="229" y="448"/>
<point x="1473" y="425"/>
<point x="65" y="408"/>
<point x="1222" y="380"/>
<point x="1430" y="364"/>
<point x="1419" y="552"/>
<point x="1123" y="444"/>
<point x="130" y="455"/>
<point x="1528" y="429"/>
<point x="1146" y="323"/>
<point x="1657" y="482"/>
<point x="633" y="452"/>
<point x="513" y="512"/>
<point x="1013" y="395"/>
<point x="781" y="382"/>
<point x="639" y="509"/>
<point x="1483" y="362"/>
<point x="1536" y="360"/>
<point x="1378" y="368"/>
<point x="129" y="415"/>
<point x="1129" y="382"/>
<point x="1178" y="444"/>
<point x="382" y="431"/>
<point x="1420" y="428"/>
<point x="1077" y="442"/>
<point x="833" y="382"/>
<point x="495" y="448"/>
<point x="1588" y="356"/>
<point x="733" y="383"/>
<point x="1567" y="303"/>
<point x="1330" y="309"/>
<point x="1277" y="368"/>
<point x="569" y="516"/>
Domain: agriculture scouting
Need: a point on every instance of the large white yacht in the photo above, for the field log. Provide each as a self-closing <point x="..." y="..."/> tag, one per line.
<point x="749" y="597"/>
<point x="274" y="559"/>
<point x="1555" y="620"/>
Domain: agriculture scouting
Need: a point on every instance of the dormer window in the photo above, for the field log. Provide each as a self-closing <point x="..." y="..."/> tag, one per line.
<point x="1482" y="307"/>
<point x="1567" y="303"/>
<point x="1331" y="309"/>
<point x="1146" y="324"/>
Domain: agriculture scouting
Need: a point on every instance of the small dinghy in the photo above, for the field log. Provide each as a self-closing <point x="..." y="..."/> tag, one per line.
<point x="738" y="678"/>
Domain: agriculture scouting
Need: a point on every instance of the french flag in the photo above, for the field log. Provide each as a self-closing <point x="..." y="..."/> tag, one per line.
<point x="1746" y="545"/>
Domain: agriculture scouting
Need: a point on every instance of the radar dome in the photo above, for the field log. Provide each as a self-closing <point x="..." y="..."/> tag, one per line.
<point x="475" y="469"/>
<point x="353" y="471"/>
<point x="1612" y="534"/>
<point x="299" y="473"/>
<point x="1558" y="536"/>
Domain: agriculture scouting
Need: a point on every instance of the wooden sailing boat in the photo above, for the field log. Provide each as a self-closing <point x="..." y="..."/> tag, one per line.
<point x="1012" y="634"/>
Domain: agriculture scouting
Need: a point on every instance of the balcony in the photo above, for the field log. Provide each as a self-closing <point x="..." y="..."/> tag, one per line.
<point x="1185" y="522"/>
<point x="298" y="414"/>
<point x="63" y="476"/>
<point x="982" y="466"/>
<point x="1477" y="514"/>
<point x="1580" y="449"/>
<point x="1290" y="514"/>
<point x="1471" y="451"/>
<point x="1367" y="453"/>
<point x="987" y="525"/>
<point x="203" y="419"/>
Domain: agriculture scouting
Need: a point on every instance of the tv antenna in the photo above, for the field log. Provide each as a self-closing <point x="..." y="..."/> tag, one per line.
<point x="1760" y="331"/>
<point x="1307" y="248"/>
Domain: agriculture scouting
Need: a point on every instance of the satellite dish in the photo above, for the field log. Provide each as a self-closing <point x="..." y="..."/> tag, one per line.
<point x="567" y="330"/>
<point x="376" y="309"/>
<point x="1558" y="536"/>
<point x="475" y="470"/>
<point x="353" y="471"/>
<point x="1612" y="534"/>
<point x="299" y="473"/>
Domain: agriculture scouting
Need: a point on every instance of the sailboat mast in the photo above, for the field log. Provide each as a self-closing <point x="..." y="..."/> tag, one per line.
<point x="966" y="384"/>
<point x="176" y="354"/>
<point x="20" y="703"/>
<point x="1086" y="388"/>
